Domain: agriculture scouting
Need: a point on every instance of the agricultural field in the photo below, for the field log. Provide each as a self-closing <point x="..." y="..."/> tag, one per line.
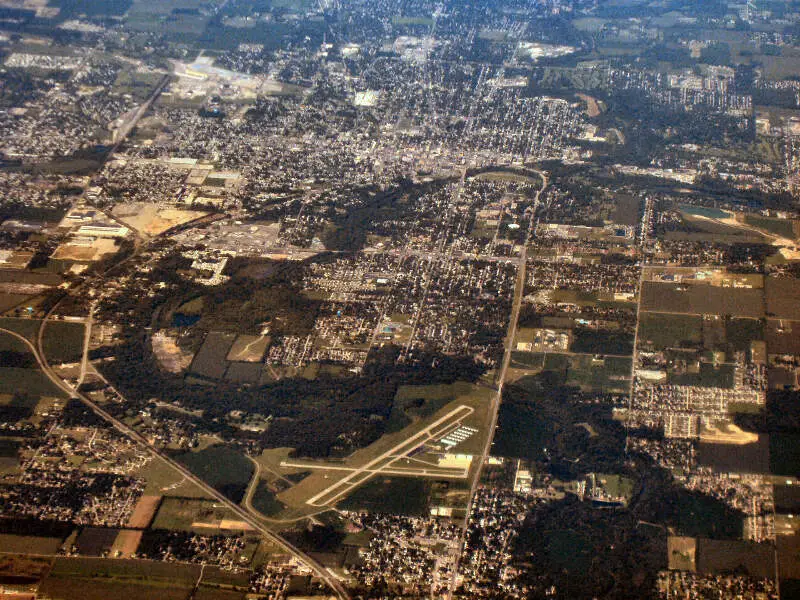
<point x="782" y="297"/>
<point x="9" y="301"/>
<point x="95" y="541"/>
<point x="210" y="360"/>
<point x="28" y="544"/>
<point x="392" y="495"/>
<point x="662" y="331"/>
<point x="143" y="513"/>
<point x="223" y="468"/>
<point x="126" y="543"/>
<point x="782" y="336"/>
<point x="709" y="300"/>
<point x="100" y="579"/>
<point x="63" y="341"/>
<point x="25" y="327"/>
<point x="191" y="514"/>
<point x="33" y="381"/>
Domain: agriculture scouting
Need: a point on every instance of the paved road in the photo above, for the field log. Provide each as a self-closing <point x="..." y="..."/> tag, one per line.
<point x="244" y="514"/>
<point x="519" y="291"/>
<point x="247" y="515"/>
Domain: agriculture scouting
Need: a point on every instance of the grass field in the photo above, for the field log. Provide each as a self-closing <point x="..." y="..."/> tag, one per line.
<point x="248" y="348"/>
<point x="182" y="513"/>
<point x="708" y="299"/>
<point x="783" y="227"/>
<point x="226" y="470"/>
<point x="27" y="544"/>
<point x="63" y="341"/>
<point x="670" y="331"/>
<point x="412" y="402"/>
<point x="25" y="327"/>
<point x="210" y="359"/>
<point x="32" y="381"/>
<point x="393" y="495"/>
<point x="164" y="480"/>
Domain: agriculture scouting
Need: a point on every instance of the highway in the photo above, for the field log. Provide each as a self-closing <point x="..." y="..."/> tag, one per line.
<point x="244" y="514"/>
<point x="519" y="292"/>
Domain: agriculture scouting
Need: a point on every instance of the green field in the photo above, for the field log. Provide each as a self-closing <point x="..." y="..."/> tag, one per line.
<point x="670" y="331"/>
<point x="224" y="469"/>
<point x="25" y="327"/>
<point x="182" y="513"/>
<point x="32" y="381"/>
<point x="393" y="495"/>
<point x="412" y="402"/>
<point x="782" y="227"/>
<point x="28" y="544"/>
<point x="162" y="479"/>
<point x="63" y="342"/>
<point x="265" y="501"/>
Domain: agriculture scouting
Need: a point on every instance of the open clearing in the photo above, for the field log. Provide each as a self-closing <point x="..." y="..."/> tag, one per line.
<point x="248" y="348"/>
<point x="126" y="543"/>
<point x="63" y="341"/>
<point x="153" y="219"/>
<point x="191" y="514"/>
<point x="85" y="251"/>
<point x="144" y="512"/>
<point x="28" y="544"/>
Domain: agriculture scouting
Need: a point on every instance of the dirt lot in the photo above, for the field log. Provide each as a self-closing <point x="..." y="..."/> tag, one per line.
<point x="98" y="249"/>
<point x="248" y="348"/>
<point x="153" y="219"/>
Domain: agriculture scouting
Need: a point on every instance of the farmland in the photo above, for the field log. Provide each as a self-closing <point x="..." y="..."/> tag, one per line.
<point x="100" y="579"/>
<point x="702" y="299"/>
<point x="184" y="514"/>
<point x="63" y="341"/>
<point x="225" y="469"/>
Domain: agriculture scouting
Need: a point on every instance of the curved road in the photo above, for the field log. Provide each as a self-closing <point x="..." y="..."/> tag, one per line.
<point x="248" y="515"/>
<point x="244" y="514"/>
